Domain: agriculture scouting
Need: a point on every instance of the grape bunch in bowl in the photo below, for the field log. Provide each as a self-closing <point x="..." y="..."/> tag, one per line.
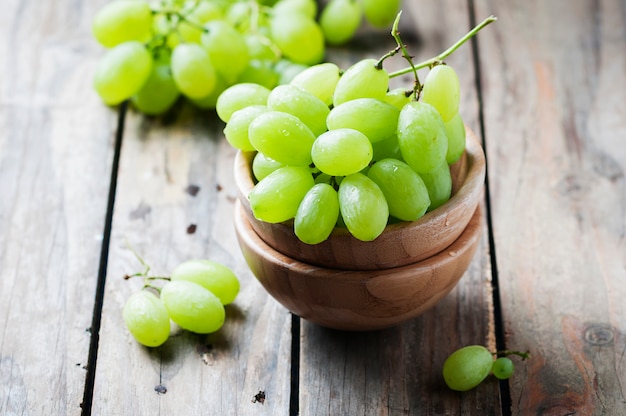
<point x="358" y="205"/>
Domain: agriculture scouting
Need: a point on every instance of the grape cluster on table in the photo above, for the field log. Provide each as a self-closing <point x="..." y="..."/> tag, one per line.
<point x="340" y="149"/>
<point x="193" y="297"/>
<point x="160" y="50"/>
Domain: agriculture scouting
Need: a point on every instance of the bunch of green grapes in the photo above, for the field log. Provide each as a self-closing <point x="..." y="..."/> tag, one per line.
<point x="193" y="297"/>
<point x="339" y="149"/>
<point x="469" y="366"/>
<point x="158" y="51"/>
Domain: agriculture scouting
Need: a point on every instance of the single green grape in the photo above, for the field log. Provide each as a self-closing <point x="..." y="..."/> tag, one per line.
<point x="263" y="166"/>
<point x="362" y="80"/>
<point x="259" y="71"/>
<point x="307" y="107"/>
<point x="422" y="137"/>
<point x="277" y="196"/>
<point x="193" y="70"/>
<point x="320" y="80"/>
<point x="282" y="137"/>
<point x="381" y="13"/>
<point x="398" y="97"/>
<point x="299" y="37"/>
<point x="404" y="189"/>
<point x="341" y="152"/>
<point x="193" y="307"/>
<point x="288" y="70"/>
<point x="442" y="91"/>
<point x="159" y="92"/>
<point x="439" y="185"/>
<point x="363" y="207"/>
<point x="317" y="214"/>
<point x="121" y="21"/>
<point x="503" y="368"/>
<point x="236" y="130"/>
<point x="227" y="49"/>
<point x="239" y="96"/>
<point x="146" y="318"/>
<point x="455" y="132"/>
<point x="215" y="277"/>
<point x="290" y="7"/>
<point x="122" y="72"/>
<point x="374" y="118"/>
<point x="340" y="20"/>
<point x="467" y="367"/>
<point x="388" y="148"/>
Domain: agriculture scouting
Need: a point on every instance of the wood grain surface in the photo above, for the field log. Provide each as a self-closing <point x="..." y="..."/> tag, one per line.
<point x="80" y="182"/>
<point x="553" y="93"/>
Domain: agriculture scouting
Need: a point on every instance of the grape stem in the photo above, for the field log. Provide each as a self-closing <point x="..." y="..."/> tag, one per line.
<point x="437" y="59"/>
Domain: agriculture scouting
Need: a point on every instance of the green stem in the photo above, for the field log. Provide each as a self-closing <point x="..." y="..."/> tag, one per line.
<point x="434" y="60"/>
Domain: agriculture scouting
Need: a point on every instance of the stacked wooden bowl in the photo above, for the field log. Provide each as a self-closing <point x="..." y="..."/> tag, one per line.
<point x="344" y="283"/>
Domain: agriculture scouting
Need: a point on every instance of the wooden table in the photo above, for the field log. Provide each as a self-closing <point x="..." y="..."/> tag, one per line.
<point x="544" y="87"/>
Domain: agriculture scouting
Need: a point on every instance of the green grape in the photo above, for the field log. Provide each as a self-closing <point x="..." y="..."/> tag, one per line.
<point x="317" y="214"/>
<point x="121" y="21"/>
<point x="299" y="37"/>
<point x="227" y="49"/>
<point x="503" y="368"/>
<point x="263" y="166"/>
<point x="159" y="92"/>
<point x="323" y="178"/>
<point x="203" y="12"/>
<point x="239" y="15"/>
<point x="340" y="20"/>
<point x="239" y="96"/>
<point x="320" y="80"/>
<point x="388" y="148"/>
<point x="381" y="13"/>
<point x="363" y="207"/>
<point x="236" y="130"/>
<point x="399" y="97"/>
<point x="341" y="152"/>
<point x="374" y="118"/>
<point x="210" y="101"/>
<point x="362" y="80"/>
<point x="455" y="132"/>
<point x="439" y="185"/>
<point x="277" y="196"/>
<point x="259" y="72"/>
<point x="122" y="72"/>
<point x="308" y="108"/>
<point x="146" y="318"/>
<point x="290" y="7"/>
<point x="213" y="276"/>
<point x="442" y="91"/>
<point x="282" y="137"/>
<point x="193" y="307"/>
<point x="403" y="188"/>
<point x="467" y="367"/>
<point x="260" y="47"/>
<point x="422" y="137"/>
<point x="193" y="70"/>
<point x="288" y="70"/>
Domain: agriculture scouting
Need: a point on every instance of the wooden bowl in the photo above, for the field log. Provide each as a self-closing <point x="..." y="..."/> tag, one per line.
<point x="357" y="300"/>
<point x="400" y="244"/>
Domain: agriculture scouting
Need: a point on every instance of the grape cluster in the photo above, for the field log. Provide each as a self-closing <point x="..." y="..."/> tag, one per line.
<point x="340" y="149"/>
<point x="198" y="48"/>
<point x="193" y="297"/>
<point x="469" y="366"/>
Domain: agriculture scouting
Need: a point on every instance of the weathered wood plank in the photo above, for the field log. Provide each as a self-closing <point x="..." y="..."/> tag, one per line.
<point x="56" y="148"/>
<point x="216" y="374"/>
<point x="553" y="77"/>
<point x="398" y="370"/>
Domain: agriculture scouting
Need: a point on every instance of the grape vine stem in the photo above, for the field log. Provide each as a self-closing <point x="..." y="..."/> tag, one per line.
<point x="443" y="55"/>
